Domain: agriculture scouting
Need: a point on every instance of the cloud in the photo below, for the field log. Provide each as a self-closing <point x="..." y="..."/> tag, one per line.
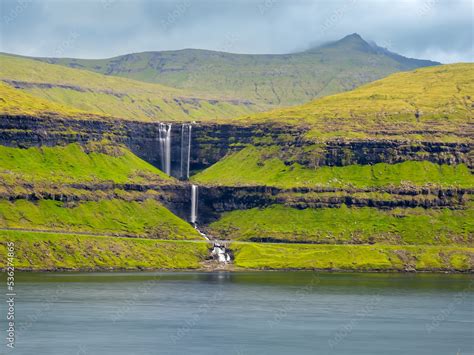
<point x="432" y="29"/>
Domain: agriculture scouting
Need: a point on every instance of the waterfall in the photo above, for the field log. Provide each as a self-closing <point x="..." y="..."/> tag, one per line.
<point x="204" y="235"/>
<point x="164" y="131"/>
<point x="186" y="130"/>
<point x="167" y="150"/>
<point x="220" y="252"/>
<point x="194" y="203"/>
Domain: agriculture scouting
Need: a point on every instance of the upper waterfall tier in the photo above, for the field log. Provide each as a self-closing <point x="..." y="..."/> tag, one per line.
<point x="175" y="149"/>
<point x="165" y="147"/>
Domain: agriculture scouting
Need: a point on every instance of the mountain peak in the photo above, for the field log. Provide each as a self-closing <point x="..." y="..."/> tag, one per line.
<point x="353" y="41"/>
<point x="352" y="37"/>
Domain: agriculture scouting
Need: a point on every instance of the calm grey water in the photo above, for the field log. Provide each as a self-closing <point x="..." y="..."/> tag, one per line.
<point x="243" y="313"/>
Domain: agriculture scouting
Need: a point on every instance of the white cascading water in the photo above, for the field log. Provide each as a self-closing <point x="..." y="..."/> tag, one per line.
<point x="186" y="130"/>
<point x="218" y="251"/>
<point x="194" y="203"/>
<point x="202" y="234"/>
<point x="164" y="131"/>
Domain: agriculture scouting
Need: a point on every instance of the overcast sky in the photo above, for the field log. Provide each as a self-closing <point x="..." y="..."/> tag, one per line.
<point x="440" y="30"/>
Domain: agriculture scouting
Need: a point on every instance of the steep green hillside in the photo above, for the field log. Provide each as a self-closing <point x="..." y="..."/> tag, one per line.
<point x="348" y="225"/>
<point x="281" y="80"/>
<point x="428" y="103"/>
<point x="82" y="178"/>
<point x="48" y="251"/>
<point x="66" y="91"/>
<point x="75" y="163"/>
<point x="14" y="102"/>
<point x="147" y="219"/>
<point x="261" y="166"/>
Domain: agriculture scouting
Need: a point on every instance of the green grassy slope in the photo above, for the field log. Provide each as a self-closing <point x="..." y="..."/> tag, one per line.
<point x="353" y="257"/>
<point x="70" y="91"/>
<point x="261" y="166"/>
<point x="349" y="225"/>
<point x="75" y="163"/>
<point x="266" y="79"/>
<point x="14" y="102"/>
<point x="428" y="103"/>
<point x="50" y="169"/>
<point x="42" y="251"/>
<point x="147" y="219"/>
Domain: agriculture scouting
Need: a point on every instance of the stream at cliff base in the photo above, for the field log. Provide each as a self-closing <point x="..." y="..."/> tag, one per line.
<point x="242" y="313"/>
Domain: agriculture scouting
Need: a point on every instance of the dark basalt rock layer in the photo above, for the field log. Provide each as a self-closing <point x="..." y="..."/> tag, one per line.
<point x="213" y="200"/>
<point x="210" y="142"/>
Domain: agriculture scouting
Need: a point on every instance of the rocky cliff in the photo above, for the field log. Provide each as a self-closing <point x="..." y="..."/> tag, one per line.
<point x="202" y="145"/>
<point x="211" y="142"/>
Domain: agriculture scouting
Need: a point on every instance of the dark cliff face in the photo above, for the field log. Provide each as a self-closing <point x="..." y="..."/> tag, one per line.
<point x="211" y="142"/>
<point x="214" y="200"/>
<point x="205" y="144"/>
<point x="208" y="143"/>
<point x="217" y="199"/>
<point x="373" y="152"/>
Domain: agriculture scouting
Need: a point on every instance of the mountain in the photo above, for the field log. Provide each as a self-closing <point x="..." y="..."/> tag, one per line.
<point x="276" y="80"/>
<point x="29" y="87"/>
<point x="352" y="42"/>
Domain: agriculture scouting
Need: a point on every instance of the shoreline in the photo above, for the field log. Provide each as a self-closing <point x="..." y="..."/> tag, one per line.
<point x="240" y="270"/>
<point x="78" y="253"/>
